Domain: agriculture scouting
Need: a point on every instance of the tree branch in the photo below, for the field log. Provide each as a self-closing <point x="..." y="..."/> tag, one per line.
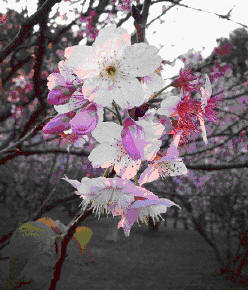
<point x="64" y="243"/>
<point x="211" y="167"/>
<point x="26" y="28"/>
<point x="227" y="16"/>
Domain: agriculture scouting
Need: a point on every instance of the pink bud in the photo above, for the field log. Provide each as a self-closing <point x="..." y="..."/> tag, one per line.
<point x="133" y="139"/>
<point x="92" y="13"/>
<point x="85" y="121"/>
<point x="58" y="124"/>
<point x="60" y="95"/>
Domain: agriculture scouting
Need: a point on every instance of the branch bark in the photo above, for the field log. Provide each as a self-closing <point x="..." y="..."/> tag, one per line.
<point x="27" y="27"/>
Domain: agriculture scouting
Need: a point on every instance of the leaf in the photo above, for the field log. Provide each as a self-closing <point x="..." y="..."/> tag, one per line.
<point x="82" y="236"/>
<point x="50" y="223"/>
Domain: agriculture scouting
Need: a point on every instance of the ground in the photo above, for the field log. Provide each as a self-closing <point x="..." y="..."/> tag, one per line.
<point x="169" y="259"/>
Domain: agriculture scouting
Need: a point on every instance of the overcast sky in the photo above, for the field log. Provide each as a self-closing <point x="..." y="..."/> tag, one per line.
<point x="182" y="28"/>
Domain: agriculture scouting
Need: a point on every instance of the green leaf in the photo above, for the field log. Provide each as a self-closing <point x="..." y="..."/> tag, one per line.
<point x="82" y="236"/>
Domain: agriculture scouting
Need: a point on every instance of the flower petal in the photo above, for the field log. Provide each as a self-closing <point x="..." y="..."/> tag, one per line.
<point x="127" y="168"/>
<point x="57" y="125"/>
<point x="174" y="167"/>
<point x="168" y="105"/>
<point x="108" y="132"/>
<point x="148" y="175"/>
<point x="133" y="139"/>
<point x="151" y="150"/>
<point x="76" y="101"/>
<point x="141" y="59"/>
<point x="102" y="155"/>
<point x="82" y="59"/>
<point x="168" y="202"/>
<point x="85" y="121"/>
<point x="128" y="220"/>
<point x="111" y="40"/>
<point x="153" y="83"/>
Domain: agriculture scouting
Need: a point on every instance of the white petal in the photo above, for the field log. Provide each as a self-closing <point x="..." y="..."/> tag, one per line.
<point x="108" y="132"/>
<point x="168" y="106"/>
<point x="100" y="115"/>
<point x="85" y="185"/>
<point x="153" y="130"/>
<point x="102" y="156"/>
<point x="155" y="84"/>
<point x="111" y="40"/>
<point x="174" y="167"/>
<point x="129" y="93"/>
<point x="168" y="202"/>
<point x="205" y="93"/>
<point x="151" y="150"/>
<point x="76" y="101"/>
<point x="140" y="59"/>
<point x="75" y="183"/>
<point x="82" y="59"/>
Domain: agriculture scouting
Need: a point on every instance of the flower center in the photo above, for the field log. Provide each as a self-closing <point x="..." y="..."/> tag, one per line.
<point x="111" y="70"/>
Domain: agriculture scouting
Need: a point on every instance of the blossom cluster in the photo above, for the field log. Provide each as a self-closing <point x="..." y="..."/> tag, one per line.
<point x="113" y="73"/>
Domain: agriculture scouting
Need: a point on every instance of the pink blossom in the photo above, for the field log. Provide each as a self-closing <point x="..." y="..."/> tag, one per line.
<point x="142" y="208"/>
<point x="185" y="80"/>
<point x="125" y="5"/>
<point x="107" y="194"/>
<point x="223" y="50"/>
<point x="164" y="165"/>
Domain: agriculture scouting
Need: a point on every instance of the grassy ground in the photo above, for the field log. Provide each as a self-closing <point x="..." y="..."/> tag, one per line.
<point x="169" y="259"/>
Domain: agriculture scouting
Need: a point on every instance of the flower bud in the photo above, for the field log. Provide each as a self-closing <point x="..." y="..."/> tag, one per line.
<point x="60" y="94"/>
<point x="58" y="124"/>
<point x="137" y="112"/>
<point x="85" y="121"/>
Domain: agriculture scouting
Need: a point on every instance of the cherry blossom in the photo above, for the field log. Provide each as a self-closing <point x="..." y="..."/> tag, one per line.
<point x="117" y="144"/>
<point x="186" y="80"/>
<point x="187" y="114"/>
<point x="143" y="208"/>
<point x="112" y="65"/>
<point x="107" y="194"/>
<point x="164" y="165"/>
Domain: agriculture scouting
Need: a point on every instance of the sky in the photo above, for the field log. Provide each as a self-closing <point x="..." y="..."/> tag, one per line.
<point x="182" y="28"/>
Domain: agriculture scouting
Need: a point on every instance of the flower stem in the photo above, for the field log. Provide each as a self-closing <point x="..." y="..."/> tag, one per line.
<point x="136" y="180"/>
<point x="159" y="92"/>
<point x="118" y="113"/>
<point x="112" y="112"/>
<point x="106" y="172"/>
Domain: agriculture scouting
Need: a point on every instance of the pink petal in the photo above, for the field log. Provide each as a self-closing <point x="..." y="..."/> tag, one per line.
<point x="176" y="138"/>
<point x="172" y="152"/>
<point x="127" y="171"/>
<point x="128" y="220"/>
<point x="203" y="128"/>
<point x="145" y="203"/>
<point x="85" y="121"/>
<point x="133" y="139"/>
<point x="60" y="95"/>
<point x="57" y="125"/>
<point x="55" y="79"/>
<point x="150" y="174"/>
